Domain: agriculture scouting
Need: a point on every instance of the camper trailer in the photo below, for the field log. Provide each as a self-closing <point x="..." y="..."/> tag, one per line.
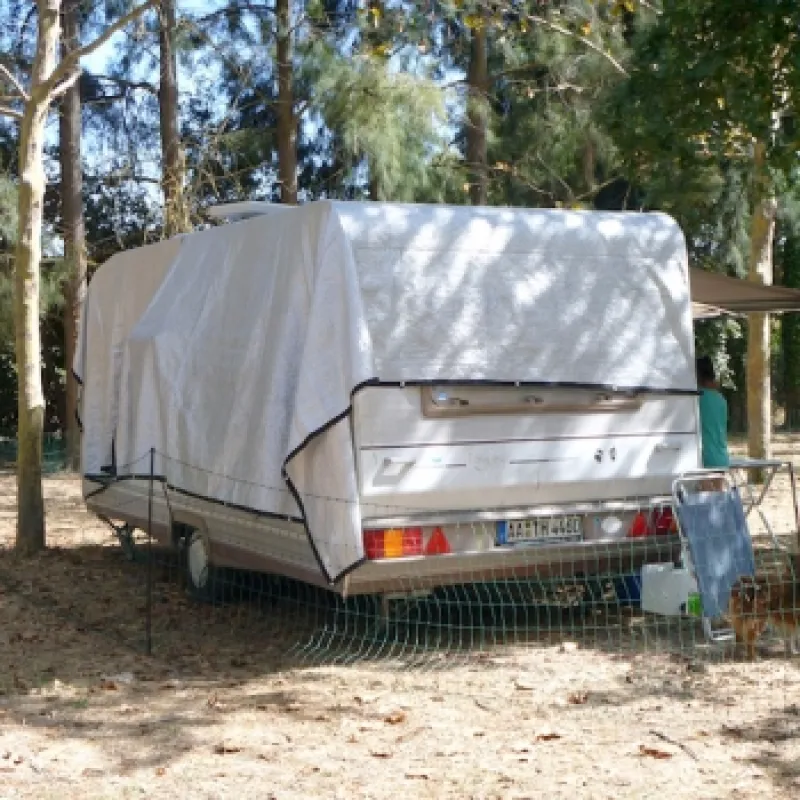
<point x="375" y="397"/>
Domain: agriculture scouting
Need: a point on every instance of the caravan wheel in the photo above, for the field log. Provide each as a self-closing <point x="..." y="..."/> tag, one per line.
<point x="201" y="575"/>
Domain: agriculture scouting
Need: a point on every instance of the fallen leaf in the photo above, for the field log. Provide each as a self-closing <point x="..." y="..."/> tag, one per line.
<point x="408" y="735"/>
<point x="222" y="749"/>
<point x="160" y="772"/>
<point x="653" y="752"/>
<point x="108" y="684"/>
<point x="547" y="737"/>
<point x="395" y="717"/>
<point x="578" y="698"/>
<point x="380" y="753"/>
<point x="733" y="730"/>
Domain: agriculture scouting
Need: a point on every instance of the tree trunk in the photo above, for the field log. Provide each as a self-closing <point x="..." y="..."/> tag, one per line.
<point x="74" y="233"/>
<point x="30" y="501"/>
<point x="762" y="233"/>
<point x="374" y="181"/>
<point x="176" y="217"/>
<point x="589" y="165"/>
<point x="477" y="115"/>
<point x="287" y="124"/>
<point x="790" y="332"/>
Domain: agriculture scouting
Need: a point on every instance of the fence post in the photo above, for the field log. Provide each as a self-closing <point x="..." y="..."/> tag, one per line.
<point x="149" y="621"/>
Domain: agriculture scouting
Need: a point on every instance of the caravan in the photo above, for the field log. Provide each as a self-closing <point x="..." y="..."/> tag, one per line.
<point x="374" y="396"/>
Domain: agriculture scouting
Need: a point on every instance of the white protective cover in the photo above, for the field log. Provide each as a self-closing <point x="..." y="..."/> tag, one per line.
<point x="117" y="296"/>
<point x="259" y="332"/>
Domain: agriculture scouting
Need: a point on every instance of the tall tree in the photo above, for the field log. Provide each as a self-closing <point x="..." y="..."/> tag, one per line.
<point x="287" y="120"/>
<point x="477" y="113"/>
<point x="74" y="232"/>
<point x="30" y="105"/>
<point x="176" y="215"/>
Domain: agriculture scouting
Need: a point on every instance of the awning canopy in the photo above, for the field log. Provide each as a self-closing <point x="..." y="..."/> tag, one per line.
<point x="714" y="294"/>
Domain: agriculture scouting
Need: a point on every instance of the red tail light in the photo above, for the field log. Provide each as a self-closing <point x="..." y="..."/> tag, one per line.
<point x="664" y="521"/>
<point x="392" y="543"/>
<point x="437" y="544"/>
<point x="658" y="522"/>
<point x="639" y="527"/>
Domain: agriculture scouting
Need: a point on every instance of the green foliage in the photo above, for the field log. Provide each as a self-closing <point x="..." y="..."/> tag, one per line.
<point x="604" y="103"/>
<point x="708" y="78"/>
<point x="53" y="273"/>
<point x="393" y="121"/>
<point x="548" y="148"/>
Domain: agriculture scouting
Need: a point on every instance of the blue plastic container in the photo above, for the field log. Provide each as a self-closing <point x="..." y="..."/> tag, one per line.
<point x="629" y="589"/>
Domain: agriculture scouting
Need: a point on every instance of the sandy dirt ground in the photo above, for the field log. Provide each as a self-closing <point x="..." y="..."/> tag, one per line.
<point x="227" y="706"/>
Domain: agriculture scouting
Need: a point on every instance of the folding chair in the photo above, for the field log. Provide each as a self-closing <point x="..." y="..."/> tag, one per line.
<point x="716" y="543"/>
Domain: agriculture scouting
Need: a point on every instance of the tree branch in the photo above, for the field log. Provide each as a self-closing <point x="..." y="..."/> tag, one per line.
<point x="14" y="81"/>
<point x="5" y="111"/>
<point x="651" y="7"/>
<point x="554" y="26"/>
<point x="68" y="82"/>
<point x="236" y="9"/>
<point x="72" y="59"/>
<point x="126" y="84"/>
<point x="502" y="73"/>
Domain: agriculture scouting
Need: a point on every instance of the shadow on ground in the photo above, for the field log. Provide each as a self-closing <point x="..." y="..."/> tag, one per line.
<point x="74" y="666"/>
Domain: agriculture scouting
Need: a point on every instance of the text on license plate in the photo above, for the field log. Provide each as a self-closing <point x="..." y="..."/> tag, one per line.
<point x="539" y="529"/>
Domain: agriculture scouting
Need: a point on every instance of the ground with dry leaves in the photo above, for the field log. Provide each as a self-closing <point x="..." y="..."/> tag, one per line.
<point x="227" y="707"/>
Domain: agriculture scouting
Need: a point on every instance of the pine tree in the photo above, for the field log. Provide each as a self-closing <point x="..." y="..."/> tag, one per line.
<point x="74" y="231"/>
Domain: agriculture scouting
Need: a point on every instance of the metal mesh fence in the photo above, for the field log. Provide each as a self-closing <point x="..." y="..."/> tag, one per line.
<point x="444" y="592"/>
<point x="534" y="645"/>
<point x="54" y="452"/>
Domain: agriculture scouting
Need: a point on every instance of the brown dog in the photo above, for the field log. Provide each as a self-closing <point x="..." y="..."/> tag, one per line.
<point x="765" y="599"/>
<point x="748" y="609"/>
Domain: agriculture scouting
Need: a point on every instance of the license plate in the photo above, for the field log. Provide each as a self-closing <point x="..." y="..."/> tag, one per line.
<point x="540" y="529"/>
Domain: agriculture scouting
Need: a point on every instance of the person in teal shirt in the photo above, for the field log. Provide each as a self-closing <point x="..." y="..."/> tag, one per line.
<point x="713" y="417"/>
